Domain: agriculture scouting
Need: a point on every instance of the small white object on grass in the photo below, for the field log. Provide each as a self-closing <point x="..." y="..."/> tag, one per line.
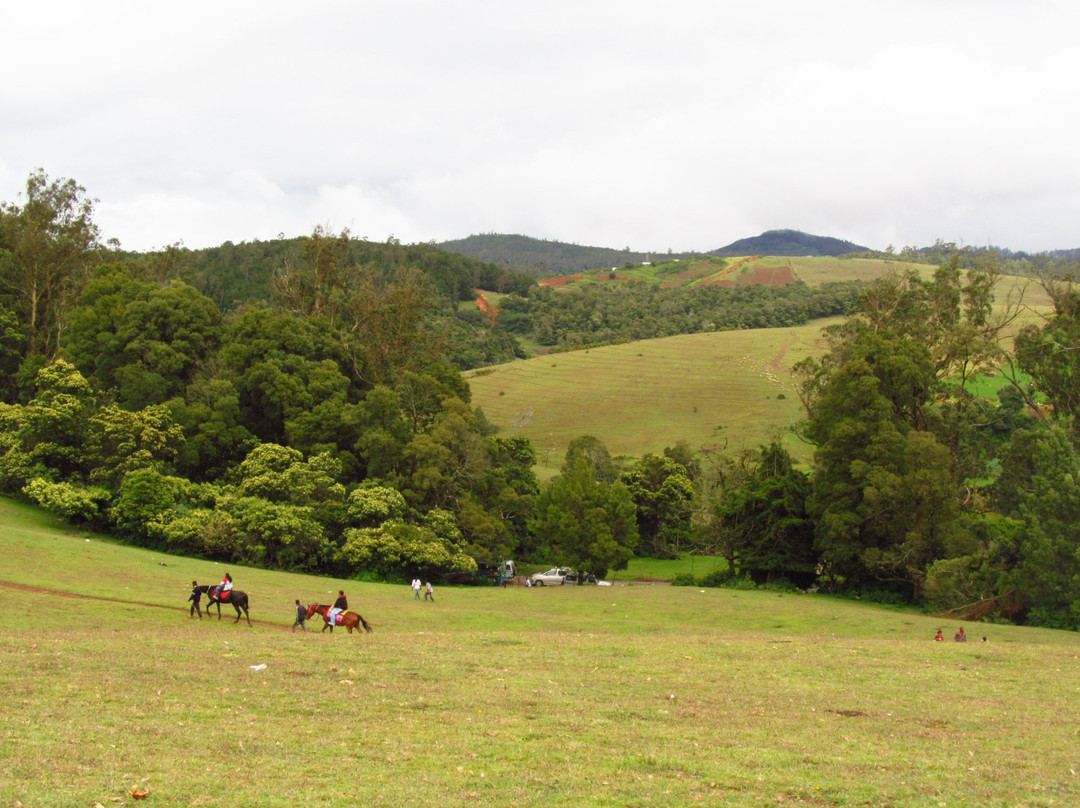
<point x="258" y="667"/>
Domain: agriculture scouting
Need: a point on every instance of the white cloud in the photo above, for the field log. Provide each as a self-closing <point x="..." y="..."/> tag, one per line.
<point x="684" y="125"/>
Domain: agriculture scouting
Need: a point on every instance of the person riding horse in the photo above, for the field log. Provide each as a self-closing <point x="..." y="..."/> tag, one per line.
<point x="225" y="587"/>
<point x="340" y="605"/>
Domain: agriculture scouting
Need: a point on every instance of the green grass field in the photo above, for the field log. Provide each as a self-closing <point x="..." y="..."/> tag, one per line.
<point x="730" y="388"/>
<point x="562" y="696"/>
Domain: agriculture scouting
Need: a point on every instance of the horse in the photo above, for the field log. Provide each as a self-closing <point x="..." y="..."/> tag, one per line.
<point x="237" y="599"/>
<point x="349" y="620"/>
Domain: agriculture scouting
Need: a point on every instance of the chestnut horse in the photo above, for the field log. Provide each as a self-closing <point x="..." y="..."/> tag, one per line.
<point x="237" y="599"/>
<point x="349" y="620"/>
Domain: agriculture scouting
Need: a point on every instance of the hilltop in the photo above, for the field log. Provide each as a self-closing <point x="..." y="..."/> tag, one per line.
<point x="543" y="258"/>
<point x="789" y="243"/>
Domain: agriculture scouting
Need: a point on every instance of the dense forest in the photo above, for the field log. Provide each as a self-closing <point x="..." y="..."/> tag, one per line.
<point x="542" y="258"/>
<point x="595" y="314"/>
<point x="299" y="405"/>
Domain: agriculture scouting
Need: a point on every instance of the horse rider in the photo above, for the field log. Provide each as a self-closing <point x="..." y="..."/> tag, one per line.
<point x="225" y="587"/>
<point x="340" y="605"/>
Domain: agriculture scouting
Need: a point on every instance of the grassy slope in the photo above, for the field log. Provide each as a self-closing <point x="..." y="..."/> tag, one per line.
<point x="707" y="389"/>
<point x="640" y="397"/>
<point x="644" y="696"/>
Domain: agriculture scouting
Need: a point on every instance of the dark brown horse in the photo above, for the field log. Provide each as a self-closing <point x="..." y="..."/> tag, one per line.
<point x="349" y="620"/>
<point x="237" y="599"/>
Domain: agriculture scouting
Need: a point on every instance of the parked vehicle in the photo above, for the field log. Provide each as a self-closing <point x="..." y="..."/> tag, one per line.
<point x="551" y="577"/>
<point x="507" y="572"/>
<point x="572" y="578"/>
<point x="499" y="574"/>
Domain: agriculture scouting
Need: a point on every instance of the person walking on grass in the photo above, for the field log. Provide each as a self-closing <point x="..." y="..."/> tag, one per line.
<point x="429" y="592"/>
<point x="196" y="598"/>
<point x="301" y="617"/>
<point x="416" y="588"/>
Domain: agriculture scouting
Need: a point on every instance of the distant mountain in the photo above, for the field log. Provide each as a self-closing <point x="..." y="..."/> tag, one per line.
<point x="788" y="242"/>
<point x="543" y="258"/>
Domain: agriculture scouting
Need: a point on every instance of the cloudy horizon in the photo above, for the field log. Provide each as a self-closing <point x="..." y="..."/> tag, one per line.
<point x="682" y="126"/>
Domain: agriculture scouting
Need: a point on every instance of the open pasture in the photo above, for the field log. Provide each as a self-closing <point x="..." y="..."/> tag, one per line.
<point x="567" y="696"/>
<point x="731" y="388"/>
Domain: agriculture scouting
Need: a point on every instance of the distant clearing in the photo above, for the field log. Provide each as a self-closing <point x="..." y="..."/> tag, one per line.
<point x="730" y="388"/>
<point x="744" y="271"/>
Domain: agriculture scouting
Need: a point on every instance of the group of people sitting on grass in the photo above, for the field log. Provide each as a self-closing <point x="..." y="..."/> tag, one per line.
<point x="959" y="636"/>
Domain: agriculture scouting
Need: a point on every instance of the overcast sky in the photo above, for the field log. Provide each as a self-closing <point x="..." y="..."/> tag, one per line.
<point x="650" y="125"/>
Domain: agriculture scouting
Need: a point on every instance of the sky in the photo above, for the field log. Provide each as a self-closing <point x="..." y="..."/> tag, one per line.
<point x="681" y="125"/>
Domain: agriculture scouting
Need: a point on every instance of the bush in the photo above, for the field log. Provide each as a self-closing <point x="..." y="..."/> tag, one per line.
<point x="684" y="579"/>
<point x="727" y="579"/>
<point x="716" y="578"/>
<point x="885" y="597"/>
<point x="781" y="584"/>
<point x="744" y="584"/>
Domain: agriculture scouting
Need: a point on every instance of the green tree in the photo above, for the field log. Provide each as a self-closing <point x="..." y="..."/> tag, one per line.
<point x="663" y="494"/>
<point x="1040" y="483"/>
<point x="396" y="548"/>
<point x="121" y="441"/>
<point x="772" y="533"/>
<point x="1050" y="355"/>
<point x="46" y="247"/>
<point x="11" y="341"/>
<point x="585" y="523"/>
<point x="47" y="437"/>
<point x="595" y="453"/>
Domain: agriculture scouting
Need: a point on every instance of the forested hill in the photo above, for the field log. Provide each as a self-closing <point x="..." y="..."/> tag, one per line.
<point x="788" y="242"/>
<point x="544" y="258"/>
<point x="237" y="272"/>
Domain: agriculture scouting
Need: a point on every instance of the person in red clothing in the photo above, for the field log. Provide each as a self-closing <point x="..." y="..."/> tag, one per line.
<point x="224" y="587"/>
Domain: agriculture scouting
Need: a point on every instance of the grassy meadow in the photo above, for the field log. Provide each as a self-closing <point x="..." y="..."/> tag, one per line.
<point x="564" y="696"/>
<point x="730" y="388"/>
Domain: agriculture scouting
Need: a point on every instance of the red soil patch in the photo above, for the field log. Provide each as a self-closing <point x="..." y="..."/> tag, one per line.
<point x="767" y="276"/>
<point x="565" y="279"/>
<point x="485" y="305"/>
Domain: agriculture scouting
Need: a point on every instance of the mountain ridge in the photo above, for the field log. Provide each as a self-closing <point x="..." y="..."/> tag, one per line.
<point x="546" y="258"/>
